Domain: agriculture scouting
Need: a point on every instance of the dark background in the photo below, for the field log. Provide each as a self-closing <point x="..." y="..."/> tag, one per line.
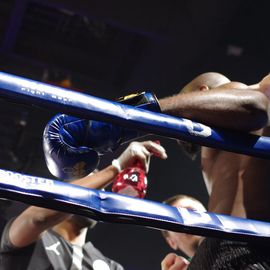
<point x="112" y="48"/>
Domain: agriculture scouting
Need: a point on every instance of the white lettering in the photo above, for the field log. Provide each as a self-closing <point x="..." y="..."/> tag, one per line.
<point x="8" y="177"/>
<point x="204" y="131"/>
<point x="193" y="217"/>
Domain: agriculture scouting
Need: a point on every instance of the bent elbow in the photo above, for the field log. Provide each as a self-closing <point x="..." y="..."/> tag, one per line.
<point x="258" y="112"/>
<point x="259" y="119"/>
<point x="39" y="221"/>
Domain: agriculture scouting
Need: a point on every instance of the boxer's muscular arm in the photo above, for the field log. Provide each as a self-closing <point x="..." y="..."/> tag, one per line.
<point x="29" y="225"/>
<point x="240" y="108"/>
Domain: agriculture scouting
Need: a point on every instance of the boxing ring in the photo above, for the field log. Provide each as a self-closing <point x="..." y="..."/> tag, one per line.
<point x="110" y="207"/>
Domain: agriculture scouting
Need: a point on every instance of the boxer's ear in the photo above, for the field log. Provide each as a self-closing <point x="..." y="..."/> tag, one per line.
<point x="203" y="87"/>
<point x="171" y="242"/>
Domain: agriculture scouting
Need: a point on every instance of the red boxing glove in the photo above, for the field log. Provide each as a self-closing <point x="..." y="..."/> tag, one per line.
<point x="131" y="181"/>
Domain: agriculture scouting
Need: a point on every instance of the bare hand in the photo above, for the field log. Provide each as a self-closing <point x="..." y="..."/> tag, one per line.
<point x="174" y="262"/>
<point x="141" y="151"/>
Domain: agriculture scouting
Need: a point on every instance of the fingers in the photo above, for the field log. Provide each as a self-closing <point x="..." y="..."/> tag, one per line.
<point x="144" y="150"/>
<point x="141" y="151"/>
<point x="174" y="262"/>
<point x="180" y="264"/>
<point x="148" y="158"/>
<point x="168" y="261"/>
<point x="155" y="148"/>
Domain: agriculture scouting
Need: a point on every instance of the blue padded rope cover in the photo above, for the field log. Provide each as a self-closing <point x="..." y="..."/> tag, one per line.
<point x="111" y="207"/>
<point x="85" y="106"/>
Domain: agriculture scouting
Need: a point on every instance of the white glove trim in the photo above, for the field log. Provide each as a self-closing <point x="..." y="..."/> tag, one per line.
<point x="116" y="165"/>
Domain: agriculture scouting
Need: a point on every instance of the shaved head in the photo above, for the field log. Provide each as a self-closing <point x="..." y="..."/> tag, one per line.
<point x="210" y="79"/>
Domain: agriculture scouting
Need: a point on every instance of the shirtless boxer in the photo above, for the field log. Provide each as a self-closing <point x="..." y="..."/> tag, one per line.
<point x="238" y="185"/>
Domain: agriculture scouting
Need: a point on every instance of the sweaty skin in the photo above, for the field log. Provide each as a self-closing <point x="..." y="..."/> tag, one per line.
<point x="238" y="185"/>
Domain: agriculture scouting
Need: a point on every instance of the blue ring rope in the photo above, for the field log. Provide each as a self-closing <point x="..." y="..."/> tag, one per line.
<point x="27" y="91"/>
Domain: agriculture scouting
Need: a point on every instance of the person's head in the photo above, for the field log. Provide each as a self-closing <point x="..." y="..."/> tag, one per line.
<point x="187" y="243"/>
<point x="203" y="82"/>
